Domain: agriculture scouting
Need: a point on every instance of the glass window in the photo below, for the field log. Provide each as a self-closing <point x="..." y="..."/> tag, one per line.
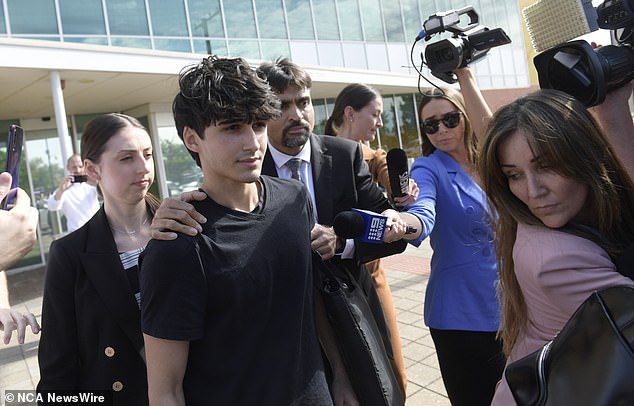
<point x="271" y="19"/>
<point x="389" y="132"/>
<point x="81" y="120"/>
<point x="413" y="21"/>
<point x="275" y="49"/>
<point x="216" y="47"/>
<point x="168" y="18"/>
<point x="88" y="40"/>
<point x="351" y="20"/>
<point x="240" y="19"/>
<point x="132" y="43"/>
<point x="206" y="18"/>
<point x="127" y="17"/>
<point x="180" y="169"/>
<point x="3" y="28"/>
<point x="372" y="22"/>
<point x="244" y="49"/>
<point x="326" y="21"/>
<point x="321" y="115"/>
<point x="47" y="38"/>
<point x="82" y="17"/>
<point x="495" y="60"/>
<point x="177" y="45"/>
<point x="393" y="22"/>
<point x="429" y="8"/>
<point x="409" y="128"/>
<point x="46" y="167"/>
<point x="487" y="15"/>
<point x="300" y="22"/>
<point x="330" y="105"/>
<point x="32" y="17"/>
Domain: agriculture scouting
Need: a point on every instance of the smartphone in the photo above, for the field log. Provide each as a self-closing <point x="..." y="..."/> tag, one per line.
<point x="78" y="178"/>
<point x="15" y="140"/>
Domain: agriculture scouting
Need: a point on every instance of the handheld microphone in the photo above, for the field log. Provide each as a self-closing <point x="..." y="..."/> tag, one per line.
<point x="398" y="171"/>
<point x="363" y="225"/>
<point x="550" y="23"/>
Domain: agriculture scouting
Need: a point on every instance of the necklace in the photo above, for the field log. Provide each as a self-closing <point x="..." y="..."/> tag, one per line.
<point x="129" y="233"/>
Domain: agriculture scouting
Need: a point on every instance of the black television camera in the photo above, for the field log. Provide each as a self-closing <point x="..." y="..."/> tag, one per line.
<point x="586" y="73"/>
<point x="468" y="43"/>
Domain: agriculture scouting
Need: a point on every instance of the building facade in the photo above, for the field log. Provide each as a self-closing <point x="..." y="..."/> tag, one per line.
<point x="64" y="61"/>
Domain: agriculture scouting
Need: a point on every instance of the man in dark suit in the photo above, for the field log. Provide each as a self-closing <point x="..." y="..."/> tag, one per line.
<point x="332" y="168"/>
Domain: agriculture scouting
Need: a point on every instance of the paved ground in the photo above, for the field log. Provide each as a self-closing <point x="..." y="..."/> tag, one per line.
<point x="407" y="274"/>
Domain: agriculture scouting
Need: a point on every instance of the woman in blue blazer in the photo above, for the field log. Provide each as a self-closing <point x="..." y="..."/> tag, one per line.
<point x="461" y="306"/>
<point x="91" y="330"/>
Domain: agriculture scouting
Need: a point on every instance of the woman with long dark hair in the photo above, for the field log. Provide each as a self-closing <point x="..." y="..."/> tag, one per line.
<point x="564" y="209"/>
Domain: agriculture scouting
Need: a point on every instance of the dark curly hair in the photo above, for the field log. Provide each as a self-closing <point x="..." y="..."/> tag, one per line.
<point x="219" y="90"/>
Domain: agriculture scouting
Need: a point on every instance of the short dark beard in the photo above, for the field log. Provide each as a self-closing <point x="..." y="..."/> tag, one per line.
<point x="294" y="142"/>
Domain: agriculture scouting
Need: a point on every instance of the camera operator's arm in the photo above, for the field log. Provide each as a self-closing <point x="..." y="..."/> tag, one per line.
<point x="477" y="108"/>
<point x="615" y="118"/>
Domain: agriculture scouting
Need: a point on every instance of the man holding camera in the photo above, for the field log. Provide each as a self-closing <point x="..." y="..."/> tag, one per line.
<point x="76" y="195"/>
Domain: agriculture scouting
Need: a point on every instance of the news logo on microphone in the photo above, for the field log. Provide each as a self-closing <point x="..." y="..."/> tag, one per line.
<point x="398" y="171"/>
<point x="364" y="225"/>
<point x="374" y="226"/>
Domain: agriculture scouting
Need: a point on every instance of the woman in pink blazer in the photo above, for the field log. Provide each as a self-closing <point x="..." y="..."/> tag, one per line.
<point x="565" y="212"/>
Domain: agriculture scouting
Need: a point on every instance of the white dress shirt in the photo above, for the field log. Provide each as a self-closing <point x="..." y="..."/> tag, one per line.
<point x="306" y="173"/>
<point x="78" y="203"/>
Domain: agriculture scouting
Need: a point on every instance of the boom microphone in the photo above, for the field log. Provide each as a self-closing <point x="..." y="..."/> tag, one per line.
<point x="553" y="22"/>
<point x="363" y="225"/>
<point x="398" y="171"/>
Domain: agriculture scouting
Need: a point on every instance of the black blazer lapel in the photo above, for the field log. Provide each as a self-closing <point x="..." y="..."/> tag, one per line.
<point x="321" y="162"/>
<point x="103" y="268"/>
<point x="268" y="165"/>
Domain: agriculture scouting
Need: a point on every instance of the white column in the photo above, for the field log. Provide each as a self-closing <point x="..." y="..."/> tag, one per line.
<point x="60" y="116"/>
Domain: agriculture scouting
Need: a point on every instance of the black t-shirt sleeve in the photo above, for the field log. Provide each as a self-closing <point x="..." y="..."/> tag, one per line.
<point x="173" y="290"/>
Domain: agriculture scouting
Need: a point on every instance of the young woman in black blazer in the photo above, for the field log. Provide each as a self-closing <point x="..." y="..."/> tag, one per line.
<point x="91" y="337"/>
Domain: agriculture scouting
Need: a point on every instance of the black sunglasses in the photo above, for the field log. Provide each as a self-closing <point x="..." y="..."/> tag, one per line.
<point x="449" y="120"/>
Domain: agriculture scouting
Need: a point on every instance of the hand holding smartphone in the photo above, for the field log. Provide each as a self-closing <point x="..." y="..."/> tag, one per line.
<point x="15" y="140"/>
<point x="79" y="178"/>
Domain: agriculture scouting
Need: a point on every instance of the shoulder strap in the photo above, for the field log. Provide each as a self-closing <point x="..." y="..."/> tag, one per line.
<point x="625" y="262"/>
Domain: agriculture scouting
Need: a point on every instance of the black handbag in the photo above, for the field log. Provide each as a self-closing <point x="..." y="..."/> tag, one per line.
<point x="590" y="361"/>
<point x="361" y="333"/>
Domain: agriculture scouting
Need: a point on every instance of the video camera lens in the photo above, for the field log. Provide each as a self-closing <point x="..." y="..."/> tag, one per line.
<point x="446" y="55"/>
<point x="583" y="72"/>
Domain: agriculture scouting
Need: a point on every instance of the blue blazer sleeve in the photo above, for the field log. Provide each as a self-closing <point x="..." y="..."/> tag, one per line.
<point x="425" y="172"/>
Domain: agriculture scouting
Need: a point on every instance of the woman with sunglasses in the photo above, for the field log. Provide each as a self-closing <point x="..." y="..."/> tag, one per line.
<point x="461" y="307"/>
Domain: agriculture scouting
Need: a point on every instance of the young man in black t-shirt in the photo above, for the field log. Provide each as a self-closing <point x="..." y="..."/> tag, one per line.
<point x="228" y="315"/>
